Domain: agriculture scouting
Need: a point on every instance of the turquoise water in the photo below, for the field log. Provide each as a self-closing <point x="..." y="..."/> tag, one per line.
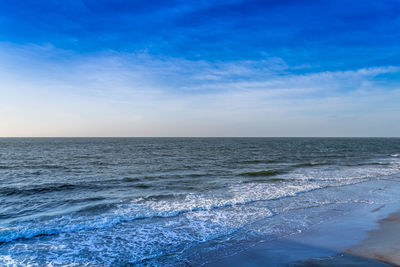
<point x="176" y="201"/>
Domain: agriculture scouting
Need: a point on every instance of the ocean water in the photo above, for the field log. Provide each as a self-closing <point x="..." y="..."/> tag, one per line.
<point x="178" y="201"/>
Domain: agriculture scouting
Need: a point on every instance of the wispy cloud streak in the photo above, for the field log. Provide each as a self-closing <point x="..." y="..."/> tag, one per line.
<point x="136" y="94"/>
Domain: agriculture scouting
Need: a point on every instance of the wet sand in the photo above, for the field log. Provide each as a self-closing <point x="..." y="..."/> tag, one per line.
<point x="382" y="244"/>
<point x="367" y="237"/>
<point x="380" y="248"/>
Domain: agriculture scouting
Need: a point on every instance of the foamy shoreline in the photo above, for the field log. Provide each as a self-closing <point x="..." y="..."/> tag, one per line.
<point x="367" y="236"/>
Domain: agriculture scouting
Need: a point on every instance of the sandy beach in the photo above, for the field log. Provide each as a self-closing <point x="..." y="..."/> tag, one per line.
<point x="381" y="247"/>
<point x="368" y="236"/>
<point x="382" y="244"/>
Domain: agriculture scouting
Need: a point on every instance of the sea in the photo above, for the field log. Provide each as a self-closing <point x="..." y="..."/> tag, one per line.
<point x="178" y="201"/>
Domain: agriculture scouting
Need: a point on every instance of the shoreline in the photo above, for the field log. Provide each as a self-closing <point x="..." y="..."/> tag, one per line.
<point x="382" y="244"/>
<point x="367" y="236"/>
<point x="381" y="247"/>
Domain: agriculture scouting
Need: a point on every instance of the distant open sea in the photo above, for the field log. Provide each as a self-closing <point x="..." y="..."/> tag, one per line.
<point x="177" y="201"/>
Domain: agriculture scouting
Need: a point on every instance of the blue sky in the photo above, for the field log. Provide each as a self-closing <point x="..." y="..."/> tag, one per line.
<point x="199" y="68"/>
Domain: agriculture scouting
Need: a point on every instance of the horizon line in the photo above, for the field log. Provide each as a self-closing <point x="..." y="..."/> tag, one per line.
<point x="64" y="137"/>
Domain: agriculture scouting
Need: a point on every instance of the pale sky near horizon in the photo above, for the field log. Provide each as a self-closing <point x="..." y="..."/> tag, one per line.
<point x="199" y="68"/>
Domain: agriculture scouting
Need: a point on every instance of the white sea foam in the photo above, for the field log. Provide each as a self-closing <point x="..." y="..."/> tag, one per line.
<point x="299" y="180"/>
<point x="145" y="228"/>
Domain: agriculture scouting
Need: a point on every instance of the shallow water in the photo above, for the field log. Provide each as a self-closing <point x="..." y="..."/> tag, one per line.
<point x="165" y="201"/>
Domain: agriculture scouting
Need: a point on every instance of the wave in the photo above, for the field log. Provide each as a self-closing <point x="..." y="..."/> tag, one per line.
<point x="138" y="255"/>
<point x="268" y="180"/>
<point x="138" y="211"/>
<point x="5" y="167"/>
<point x="369" y="164"/>
<point x="314" y="164"/>
<point x="310" y="164"/>
<point x="35" y="167"/>
<point x="134" y="182"/>
<point x="28" y="232"/>
<point x="142" y="186"/>
<point x="103" y="222"/>
<point x="256" y="161"/>
<point x="88" y="157"/>
<point x="45" y="188"/>
<point x="283" y="170"/>
<point x="14" y="234"/>
<point x="99" y="163"/>
<point x="261" y="173"/>
<point x="47" y="167"/>
<point x="127" y="179"/>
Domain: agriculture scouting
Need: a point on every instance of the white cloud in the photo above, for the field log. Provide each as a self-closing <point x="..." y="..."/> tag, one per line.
<point x="50" y="92"/>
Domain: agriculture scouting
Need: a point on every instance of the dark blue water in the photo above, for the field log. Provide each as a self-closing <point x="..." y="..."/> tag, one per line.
<point x="165" y="201"/>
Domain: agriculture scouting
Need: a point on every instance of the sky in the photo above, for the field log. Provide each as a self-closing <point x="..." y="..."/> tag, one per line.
<point x="199" y="68"/>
